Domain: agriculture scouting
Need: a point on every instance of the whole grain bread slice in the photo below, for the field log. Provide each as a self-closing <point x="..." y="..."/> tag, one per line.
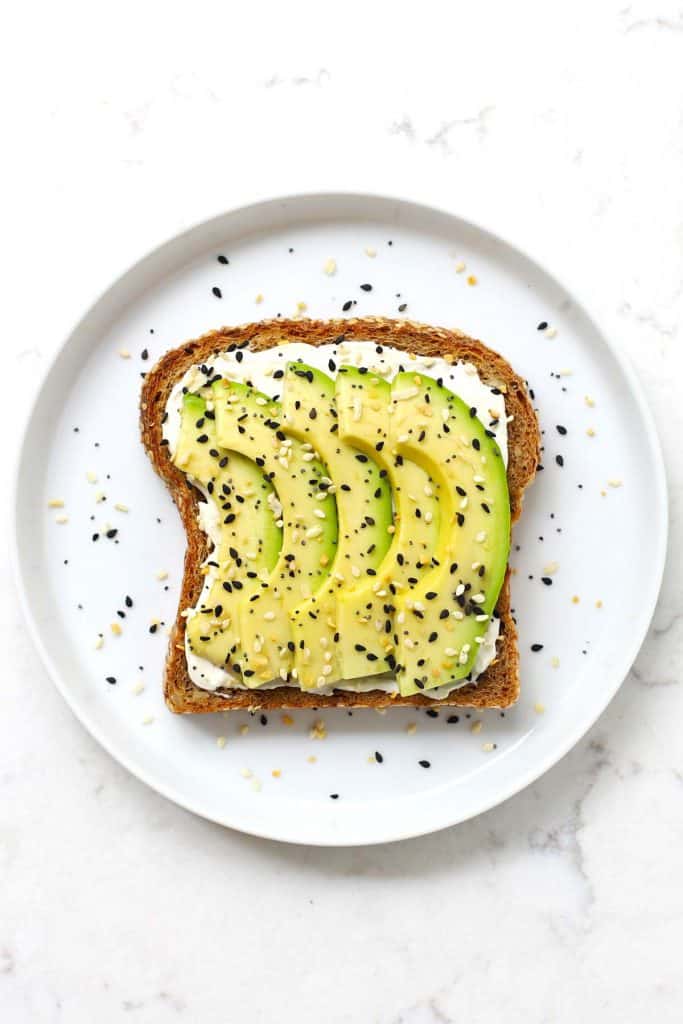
<point x="498" y="686"/>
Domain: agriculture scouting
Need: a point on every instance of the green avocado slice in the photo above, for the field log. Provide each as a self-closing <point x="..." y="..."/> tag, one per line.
<point x="250" y="540"/>
<point x="251" y="423"/>
<point x="364" y="403"/>
<point x="364" y="512"/>
<point x="440" y="625"/>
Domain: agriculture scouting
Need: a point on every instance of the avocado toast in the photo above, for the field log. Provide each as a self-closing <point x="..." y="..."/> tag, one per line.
<point x="360" y="517"/>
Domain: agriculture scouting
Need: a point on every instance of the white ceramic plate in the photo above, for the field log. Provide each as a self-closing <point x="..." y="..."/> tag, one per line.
<point x="608" y="541"/>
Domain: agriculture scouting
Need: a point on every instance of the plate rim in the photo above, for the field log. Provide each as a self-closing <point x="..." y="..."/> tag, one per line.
<point x="584" y="721"/>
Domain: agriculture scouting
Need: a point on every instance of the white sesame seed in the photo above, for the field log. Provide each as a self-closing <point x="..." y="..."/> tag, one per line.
<point x="369" y="251"/>
<point x="61" y="520"/>
<point x="269" y="616"/>
<point x="120" y="508"/>
<point x="221" y="741"/>
<point x="55" y="503"/>
<point x="330" y="267"/>
<point x="124" y="353"/>
<point x="313" y="532"/>
<point x="406" y="394"/>
<point x="481" y="536"/>
<point x="319" y="513"/>
<point x="91" y="477"/>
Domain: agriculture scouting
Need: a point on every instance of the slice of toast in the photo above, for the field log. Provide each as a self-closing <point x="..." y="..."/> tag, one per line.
<point x="498" y="686"/>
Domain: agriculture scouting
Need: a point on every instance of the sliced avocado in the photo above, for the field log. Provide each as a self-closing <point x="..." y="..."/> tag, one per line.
<point x="250" y="423"/>
<point x="441" y="623"/>
<point x="363" y="404"/>
<point x="250" y="540"/>
<point x="364" y="512"/>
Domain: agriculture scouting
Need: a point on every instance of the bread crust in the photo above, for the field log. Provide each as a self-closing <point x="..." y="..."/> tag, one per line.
<point x="498" y="686"/>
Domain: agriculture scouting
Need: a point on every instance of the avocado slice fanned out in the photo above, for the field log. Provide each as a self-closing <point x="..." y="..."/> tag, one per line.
<point x="364" y="403"/>
<point x="250" y="423"/>
<point x="250" y="540"/>
<point x="441" y="623"/>
<point x="364" y="512"/>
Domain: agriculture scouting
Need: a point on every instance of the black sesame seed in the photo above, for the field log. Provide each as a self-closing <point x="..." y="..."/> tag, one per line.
<point x="366" y="287"/>
<point x="378" y="757"/>
<point x="347" y="306"/>
<point x="223" y="259"/>
<point x="129" y="601"/>
<point x="333" y="796"/>
<point x="542" y="326"/>
<point x="546" y="579"/>
<point x="217" y="292"/>
<point x="111" y="680"/>
<point x="561" y="430"/>
<point x="403" y="307"/>
<point x="559" y="459"/>
<point x="452" y="720"/>
<point x="432" y="713"/>
<point x="424" y="764"/>
<point x="536" y="648"/>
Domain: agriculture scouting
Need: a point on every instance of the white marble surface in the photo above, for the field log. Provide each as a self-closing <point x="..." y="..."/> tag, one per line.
<point x="561" y="125"/>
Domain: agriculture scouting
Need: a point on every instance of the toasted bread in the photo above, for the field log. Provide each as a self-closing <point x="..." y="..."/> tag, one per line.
<point x="498" y="686"/>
